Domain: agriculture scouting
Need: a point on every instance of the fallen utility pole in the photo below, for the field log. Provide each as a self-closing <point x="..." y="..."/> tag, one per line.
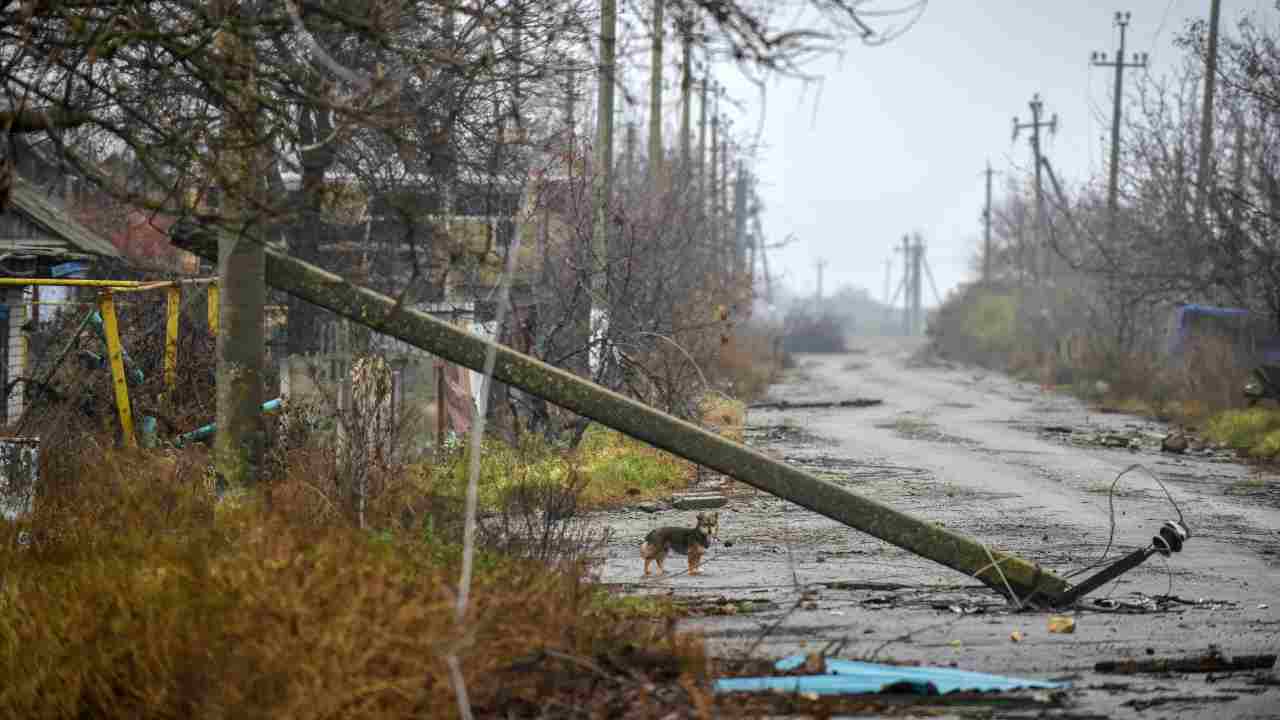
<point x="1004" y="573"/>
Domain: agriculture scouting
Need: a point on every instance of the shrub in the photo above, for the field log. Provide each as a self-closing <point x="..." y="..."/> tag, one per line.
<point x="138" y="595"/>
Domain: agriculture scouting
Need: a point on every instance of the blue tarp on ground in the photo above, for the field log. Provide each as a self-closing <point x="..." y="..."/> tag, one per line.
<point x="849" y="677"/>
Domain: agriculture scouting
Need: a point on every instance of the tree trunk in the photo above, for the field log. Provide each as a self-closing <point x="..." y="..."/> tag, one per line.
<point x="593" y="275"/>
<point x="309" y="228"/>
<point x="239" y="441"/>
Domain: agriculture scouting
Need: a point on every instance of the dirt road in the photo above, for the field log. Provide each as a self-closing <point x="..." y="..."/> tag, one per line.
<point x="1020" y="469"/>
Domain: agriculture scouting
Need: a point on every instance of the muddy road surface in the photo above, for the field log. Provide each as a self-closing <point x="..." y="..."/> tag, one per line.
<point x="1023" y="470"/>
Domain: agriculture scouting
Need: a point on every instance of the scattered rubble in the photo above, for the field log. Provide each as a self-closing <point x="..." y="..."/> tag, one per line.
<point x="698" y="501"/>
<point x="1137" y="437"/>
<point x="1062" y="624"/>
<point x="786" y="405"/>
<point x="1175" y="442"/>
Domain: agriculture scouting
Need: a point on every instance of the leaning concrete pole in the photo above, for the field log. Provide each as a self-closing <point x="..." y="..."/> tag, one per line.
<point x="383" y="314"/>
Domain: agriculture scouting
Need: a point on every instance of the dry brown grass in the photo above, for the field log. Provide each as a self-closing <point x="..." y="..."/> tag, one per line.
<point x="135" y="595"/>
<point x="749" y="362"/>
<point x="1206" y="380"/>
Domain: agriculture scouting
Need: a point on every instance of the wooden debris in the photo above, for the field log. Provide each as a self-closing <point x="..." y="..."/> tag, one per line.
<point x="1209" y="662"/>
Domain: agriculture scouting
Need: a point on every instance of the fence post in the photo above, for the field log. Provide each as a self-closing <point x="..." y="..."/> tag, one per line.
<point x="173" y="296"/>
<point x="115" y="357"/>
<point x="213" y="309"/>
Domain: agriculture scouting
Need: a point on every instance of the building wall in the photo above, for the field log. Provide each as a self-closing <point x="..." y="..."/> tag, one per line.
<point x="16" y="351"/>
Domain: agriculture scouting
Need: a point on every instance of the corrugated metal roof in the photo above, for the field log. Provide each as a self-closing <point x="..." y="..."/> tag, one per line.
<point x="40" y="209"/>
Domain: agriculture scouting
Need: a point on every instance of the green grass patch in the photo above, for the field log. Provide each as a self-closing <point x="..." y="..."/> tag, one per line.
<point x="608" y="467"/>
<point x="651" y="607"/>
<point x="1255" y="431"/>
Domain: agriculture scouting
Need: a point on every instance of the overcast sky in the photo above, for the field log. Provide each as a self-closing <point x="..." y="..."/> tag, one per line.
<point x="896" y="138"/>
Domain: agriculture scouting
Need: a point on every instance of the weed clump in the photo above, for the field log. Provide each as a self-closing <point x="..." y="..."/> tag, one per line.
<point x="1255" y="431"/>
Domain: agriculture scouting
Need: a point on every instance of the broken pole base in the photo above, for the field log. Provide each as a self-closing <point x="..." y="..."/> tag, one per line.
<point x="382" y="313"/>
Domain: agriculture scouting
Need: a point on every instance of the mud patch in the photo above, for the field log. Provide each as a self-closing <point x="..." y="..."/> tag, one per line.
<point x="912" y="427"/>
<point x="788" y="434"/>
<point x="855" y="472"/>
<point x="1234" y="529"/>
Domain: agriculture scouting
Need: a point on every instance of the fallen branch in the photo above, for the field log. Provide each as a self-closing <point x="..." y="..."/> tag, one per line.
<point x="784" y="405"/>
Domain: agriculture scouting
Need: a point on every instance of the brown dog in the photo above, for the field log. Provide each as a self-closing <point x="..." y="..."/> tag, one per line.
<point x="692" y="542"/>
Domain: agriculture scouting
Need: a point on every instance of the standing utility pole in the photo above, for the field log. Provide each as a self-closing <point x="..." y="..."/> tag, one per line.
<point x="714" y="187"/>
<point x="686" y="100"/>
<point x="906" y="285"/>
<point x="1100" y="59"/>
<point x="1206" y="113"/>
<point x="1037" y="107"/>
<point x="986" y="231"/>
<point x="888" y="273"/>
<point x="740" y="221"/>
<point x="821" y="265"/>
<point x="702" y="141"/>
<point x="917" y="287"/>
<point x="655" y="98"/>
<point x="629" y="157"/>
<point x="570" y="113"/>
<point x="725" y="210"/>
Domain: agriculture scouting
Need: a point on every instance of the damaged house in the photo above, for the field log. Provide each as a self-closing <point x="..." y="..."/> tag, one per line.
<point x="39" y="238"/>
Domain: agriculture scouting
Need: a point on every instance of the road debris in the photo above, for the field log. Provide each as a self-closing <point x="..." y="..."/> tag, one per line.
<point x="1138" y="602"/>
<point x="1140" y="704"/>
<point x="842" y="677"/>
<point x="722" y="605"/>
<point x="1175" y="442"/>
<point x="786" y="405"/>
<point x="1211" y="662"/>
<point x="1062" y="624"/>
<point x="1016" y="636"/>
<point x="698" y="501"/>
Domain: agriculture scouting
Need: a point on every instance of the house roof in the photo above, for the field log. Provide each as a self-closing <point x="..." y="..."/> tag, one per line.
<point x="40" y="209"/>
